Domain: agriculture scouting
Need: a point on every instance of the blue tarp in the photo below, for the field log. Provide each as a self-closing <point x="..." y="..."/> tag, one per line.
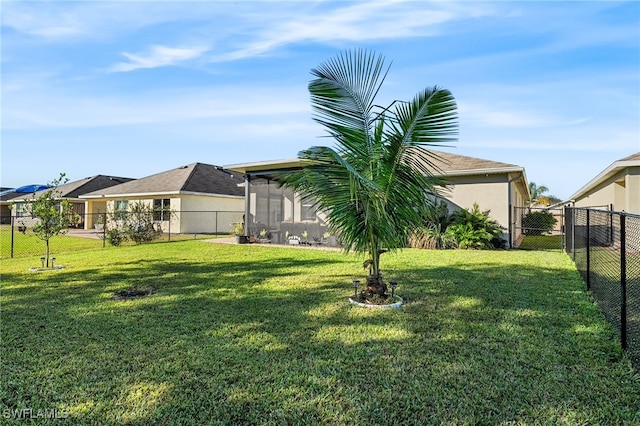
<point x="28" y="189"/>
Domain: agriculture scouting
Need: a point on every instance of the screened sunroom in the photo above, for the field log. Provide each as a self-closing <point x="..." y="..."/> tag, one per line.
<point x="276" y="213"/>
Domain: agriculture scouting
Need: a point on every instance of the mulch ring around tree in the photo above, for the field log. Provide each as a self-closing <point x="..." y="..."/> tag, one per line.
<point x="386" y="301"/>
<point x="52" y="268"/>
<point x="134" y="293"/>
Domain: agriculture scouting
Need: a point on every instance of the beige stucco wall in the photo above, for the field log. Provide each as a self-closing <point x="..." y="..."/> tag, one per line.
<point x="168" y="226"/>
<point x="632" y="196"/>
<point x="93" y="208"/>
<point x="209" y="214"/>
<point x="622" y="190"/>
<point x="519" y="195"/>
<point x="603" y="195"/>
<point x="489" y="192"/>
<point x="194" y="214"/>
<point x="26" y="219"/>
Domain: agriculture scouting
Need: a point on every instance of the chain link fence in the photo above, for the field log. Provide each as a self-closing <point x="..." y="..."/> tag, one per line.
<point x="541" y="228"/>
<point x="605" y="247"/>
<point x="17" y="238"/>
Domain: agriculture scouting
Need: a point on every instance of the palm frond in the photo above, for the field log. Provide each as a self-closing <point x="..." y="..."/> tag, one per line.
<point x="342" y="97"/>
<point x="374" y="185"/>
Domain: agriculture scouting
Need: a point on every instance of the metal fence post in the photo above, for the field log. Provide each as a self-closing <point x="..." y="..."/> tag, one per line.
<point x="12" y="233"/>
<point x="623" y="282"/>
<point x="588" y="252"/>
<point x="611" y="225"/>
<point x="573" y="233"/>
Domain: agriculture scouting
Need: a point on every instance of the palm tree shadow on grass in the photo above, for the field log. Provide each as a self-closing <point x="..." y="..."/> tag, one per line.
<point x="226" y="333"/>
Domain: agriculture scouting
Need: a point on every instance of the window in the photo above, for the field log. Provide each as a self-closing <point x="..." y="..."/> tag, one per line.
<point x="308" y="211"/>
<point x="20" y="210"/>
<point x="162" y="209"/>
<point x="121" y="208"/>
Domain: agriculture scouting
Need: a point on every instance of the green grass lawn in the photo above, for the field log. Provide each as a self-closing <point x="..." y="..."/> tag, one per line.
<point x="240" y="334"/>
<point x="27" y="244"/>
<point x="542" y="242"/>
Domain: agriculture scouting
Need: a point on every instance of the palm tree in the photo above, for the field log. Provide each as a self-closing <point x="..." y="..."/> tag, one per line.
<point x="537" y="193"/>
<point x="374" y="184"/>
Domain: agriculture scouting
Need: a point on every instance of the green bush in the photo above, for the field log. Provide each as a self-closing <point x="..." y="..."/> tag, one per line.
<point x="466" y="229"/>
<point x="115" y="236"/>
<point x="432" y="237"/>
<point x="140" y="226"/>
<point x="473" y="229"/>
<point x="433" y="234"/>
<point x="137" y="225"/>
<point x="538" y="223"/>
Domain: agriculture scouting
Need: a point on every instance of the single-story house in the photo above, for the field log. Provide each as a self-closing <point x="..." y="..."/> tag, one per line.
<point x="197" y="198"/>
<point x="71" y="191"/>
<point x="616" y="188"/>
<point x="495" y="186"/>
<point x="6" y="195"/>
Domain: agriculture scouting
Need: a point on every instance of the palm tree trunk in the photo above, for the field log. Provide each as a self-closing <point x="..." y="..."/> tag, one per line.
<point x="375" y="284"/>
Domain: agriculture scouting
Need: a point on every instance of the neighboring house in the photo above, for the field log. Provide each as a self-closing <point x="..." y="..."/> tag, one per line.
<point x="71" y="192"/>
<point x="617" y="187"/>
<point x="6" y="195"/>
<point x="198" y="198"/>
<point x="498" y="187"/>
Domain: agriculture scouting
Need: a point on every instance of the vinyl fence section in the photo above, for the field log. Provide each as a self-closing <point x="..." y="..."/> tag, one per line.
<point x="605" y="246"/>
<point x="17" y="239"/>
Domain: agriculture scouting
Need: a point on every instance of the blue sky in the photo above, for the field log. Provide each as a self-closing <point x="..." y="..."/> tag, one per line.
<point x="136" y="88"/>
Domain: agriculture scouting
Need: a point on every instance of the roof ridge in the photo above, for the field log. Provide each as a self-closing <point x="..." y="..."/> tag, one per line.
<point x="452" y="159"/>
<point x="188" y="179"/>
<point x="79" y="183"/>
<point x="632" y="157"/>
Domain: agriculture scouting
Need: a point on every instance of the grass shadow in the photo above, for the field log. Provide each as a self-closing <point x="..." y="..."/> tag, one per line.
<point x="268" y="335"/>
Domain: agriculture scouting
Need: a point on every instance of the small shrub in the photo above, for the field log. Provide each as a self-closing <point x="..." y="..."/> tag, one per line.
<point x="140" y="226"/>
<point x="237" y="228"/>
<point x="465" y="229"/>
<point x="53" y="216"/>
<point x="538" y="223"/>
<point x="137" y="225"/>
<point x="115" y="236"/>
<point x="432" y="237"/>
<point x="473" y="229"/>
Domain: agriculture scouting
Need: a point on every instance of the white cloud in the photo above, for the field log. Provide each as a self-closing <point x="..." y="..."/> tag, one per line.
<point x="380" y="20"/>
<point x="50" y="109"/>
<point x="491" y="116"/>
<point x="57" y="21"/>
<point x="158" y="56"/>
<point x="265" y="26"/>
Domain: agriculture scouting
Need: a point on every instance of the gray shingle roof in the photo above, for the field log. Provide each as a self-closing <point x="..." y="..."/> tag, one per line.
<point x="632" y="157"/>
<point x="449" y="162"/>
<point x="440" y="162"/>
<point x="83" y="186"/>
<point x="195" y="177"/>
<point x="9" y="195"/>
